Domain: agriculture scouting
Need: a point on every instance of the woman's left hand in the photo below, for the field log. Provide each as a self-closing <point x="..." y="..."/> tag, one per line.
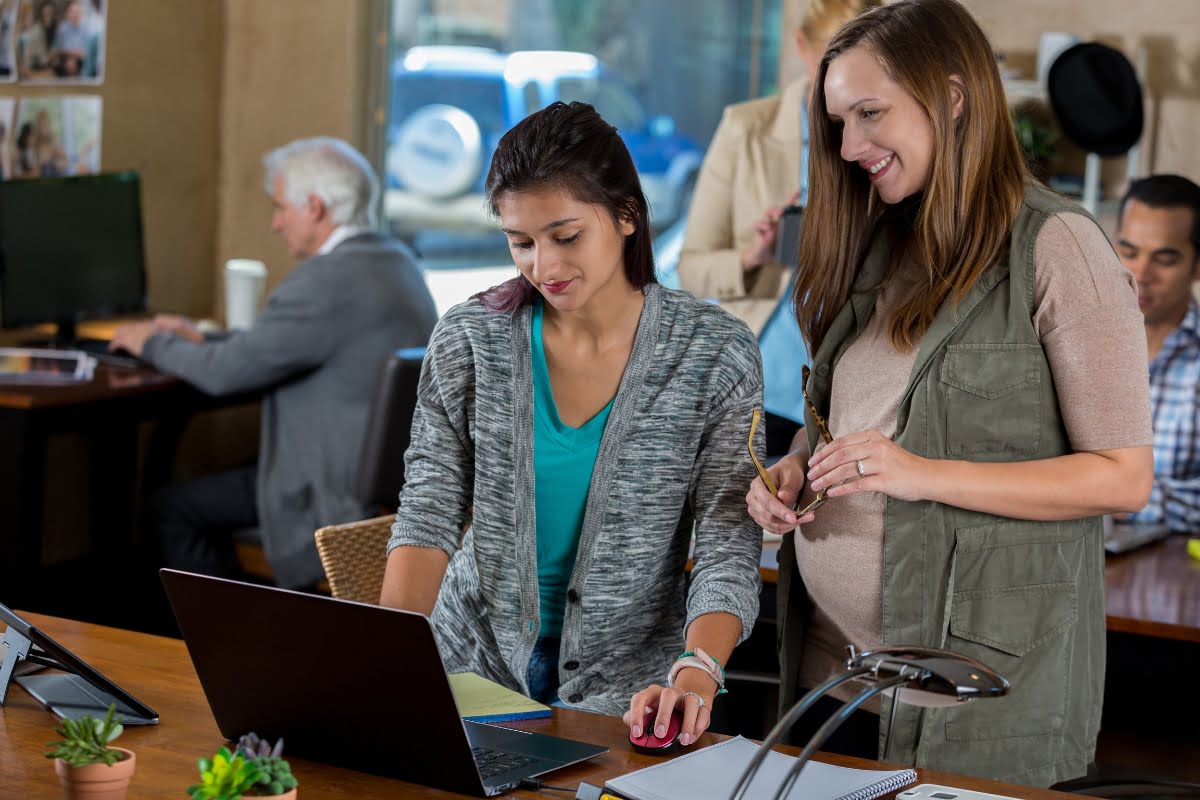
<point x="886" y="467"/>
<point x="691" y="686"/>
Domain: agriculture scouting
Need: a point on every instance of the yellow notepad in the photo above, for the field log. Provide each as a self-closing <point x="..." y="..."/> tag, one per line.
<point x="481" y="700"/>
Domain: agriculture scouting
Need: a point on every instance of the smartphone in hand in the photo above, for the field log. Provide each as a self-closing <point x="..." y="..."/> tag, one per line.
<point x="787" y="238"/>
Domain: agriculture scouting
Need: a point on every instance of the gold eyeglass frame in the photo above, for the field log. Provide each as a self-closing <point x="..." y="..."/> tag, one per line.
<point x="826" y="436"/>
<point x="762" y="471"/>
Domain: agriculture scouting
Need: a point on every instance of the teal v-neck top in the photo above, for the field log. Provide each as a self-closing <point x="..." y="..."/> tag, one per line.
<point x="563" y="459"/>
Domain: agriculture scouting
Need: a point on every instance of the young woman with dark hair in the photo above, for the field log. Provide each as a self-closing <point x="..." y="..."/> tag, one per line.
<point x="584" y="420"/>
<point x="979" y="356"/>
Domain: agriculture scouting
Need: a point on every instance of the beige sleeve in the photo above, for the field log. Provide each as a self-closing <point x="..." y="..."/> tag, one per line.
<point x="710" y="264"/>
<point x="1087" y="317"/>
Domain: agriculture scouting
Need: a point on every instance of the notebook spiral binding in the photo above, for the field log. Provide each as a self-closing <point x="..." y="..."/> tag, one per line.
<point x="892" y="784"/>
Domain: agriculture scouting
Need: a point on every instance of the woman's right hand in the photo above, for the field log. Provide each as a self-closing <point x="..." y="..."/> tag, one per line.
<point x="776" y="514"/>
<point x="762" y="248"/>
<point x="766" y="231"/>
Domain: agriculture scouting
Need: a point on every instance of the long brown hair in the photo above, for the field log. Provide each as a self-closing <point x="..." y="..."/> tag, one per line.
<point x="962" y="220"/>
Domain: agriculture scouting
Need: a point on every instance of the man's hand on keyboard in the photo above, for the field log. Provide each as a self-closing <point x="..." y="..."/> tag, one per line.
<point x="132" y="337"/>
<point x="179" y="325"/>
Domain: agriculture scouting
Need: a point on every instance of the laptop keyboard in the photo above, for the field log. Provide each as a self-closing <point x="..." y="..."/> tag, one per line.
<point x="493" y="762"/>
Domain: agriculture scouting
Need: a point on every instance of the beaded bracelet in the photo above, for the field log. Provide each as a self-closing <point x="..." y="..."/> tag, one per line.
<point x="700" y="660"/>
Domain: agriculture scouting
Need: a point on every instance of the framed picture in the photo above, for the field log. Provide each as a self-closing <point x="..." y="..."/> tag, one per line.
<point x="56" y="135"/>
<point x="60" y="41"/>
<point x="6" y="137"/>
<point x="8" y="28"/>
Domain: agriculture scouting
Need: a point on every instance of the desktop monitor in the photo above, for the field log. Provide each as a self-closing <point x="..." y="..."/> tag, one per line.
<point x="70" y="249"/>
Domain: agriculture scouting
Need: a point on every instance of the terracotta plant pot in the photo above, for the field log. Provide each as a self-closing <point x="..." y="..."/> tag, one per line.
<point x="288" y="795"/>
<point x="97" y="781"/>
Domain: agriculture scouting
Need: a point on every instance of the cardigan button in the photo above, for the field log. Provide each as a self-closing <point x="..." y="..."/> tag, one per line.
<point x="572" y="596"/>
<point x="575" y="698"/>
<point x="571" y="665"/>
<point x="822" y="370"/>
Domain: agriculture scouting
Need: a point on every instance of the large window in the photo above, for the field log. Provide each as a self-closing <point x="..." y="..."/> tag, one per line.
<point x="462" y="72"/>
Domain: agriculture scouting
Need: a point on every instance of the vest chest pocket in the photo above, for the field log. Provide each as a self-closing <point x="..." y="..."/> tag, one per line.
<point x="993" y="398"/>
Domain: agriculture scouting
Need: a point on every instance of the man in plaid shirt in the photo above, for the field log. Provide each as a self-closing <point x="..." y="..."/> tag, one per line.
<point x="1158" y="239"/>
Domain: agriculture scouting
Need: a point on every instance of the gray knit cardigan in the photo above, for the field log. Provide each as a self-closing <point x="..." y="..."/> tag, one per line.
<point x="673" y="457"/>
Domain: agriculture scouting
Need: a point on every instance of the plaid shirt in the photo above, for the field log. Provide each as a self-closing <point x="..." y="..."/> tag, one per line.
<point x="1174" y="391"/>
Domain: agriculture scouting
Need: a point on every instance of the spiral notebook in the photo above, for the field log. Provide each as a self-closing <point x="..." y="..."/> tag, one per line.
<point x="714" y="771"/>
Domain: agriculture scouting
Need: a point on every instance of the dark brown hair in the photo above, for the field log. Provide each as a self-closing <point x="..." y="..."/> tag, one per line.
<point x="570" y="148"/>
<point x="960" y="224"/>
<point x="1166" y="191"/>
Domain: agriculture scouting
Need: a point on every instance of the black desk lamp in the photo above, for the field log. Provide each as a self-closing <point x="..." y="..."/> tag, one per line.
<point x="930" y="676"/>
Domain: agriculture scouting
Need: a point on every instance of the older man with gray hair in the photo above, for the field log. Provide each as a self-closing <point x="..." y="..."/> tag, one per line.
<point x="314" y="352"/>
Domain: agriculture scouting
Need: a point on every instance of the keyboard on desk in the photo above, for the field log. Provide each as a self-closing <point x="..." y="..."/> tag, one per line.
<point x="98" y="348"/>
<point x="71" y="696"/>
<point x="493" y="762"/>
<point x="90" y="346"/>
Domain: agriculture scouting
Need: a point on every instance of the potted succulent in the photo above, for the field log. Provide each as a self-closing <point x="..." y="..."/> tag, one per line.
<point x="87" y="767"/>
<point x="253" y="769"/>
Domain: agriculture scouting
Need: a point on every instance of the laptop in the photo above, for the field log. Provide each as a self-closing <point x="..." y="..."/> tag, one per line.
<point x="76" y="690"/>
<point x="349" y="684"/>
<point x="1121" y="537"/>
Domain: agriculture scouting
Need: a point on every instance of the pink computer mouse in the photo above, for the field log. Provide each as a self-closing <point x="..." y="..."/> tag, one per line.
<point x="651" y="744"/>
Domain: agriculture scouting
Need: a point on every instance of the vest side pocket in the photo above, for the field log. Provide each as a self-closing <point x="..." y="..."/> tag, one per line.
<point x="1014" y="606"/>
<point x="993" y="398"/>
<point x="1021" y="633"/>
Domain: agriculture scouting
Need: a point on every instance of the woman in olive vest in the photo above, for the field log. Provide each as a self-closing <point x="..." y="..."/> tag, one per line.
<point x="980" y="359"/>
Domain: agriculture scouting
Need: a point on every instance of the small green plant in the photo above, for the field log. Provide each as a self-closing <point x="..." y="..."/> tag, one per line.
<point x="224" y="777"/>
<point x="253" y="769"/>
<point x="1037" y="137"/>
<point x="276" y="775"/>
<point x="85" y="740"/>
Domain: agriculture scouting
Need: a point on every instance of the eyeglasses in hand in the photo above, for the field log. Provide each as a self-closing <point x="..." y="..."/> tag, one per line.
<point x="826" y="436"/>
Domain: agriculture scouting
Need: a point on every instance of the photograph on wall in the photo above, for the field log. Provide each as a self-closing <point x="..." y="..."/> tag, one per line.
<point x="60" y="41"/>
<point x="8" y="27"/>
<point x="6" y="127"/>
<point x="56" y="136"/>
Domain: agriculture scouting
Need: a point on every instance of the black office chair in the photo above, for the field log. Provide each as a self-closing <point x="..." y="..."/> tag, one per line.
<point x="352" y="553"/>
<point x="380" y="472"/>
<point x="389" y="428"/>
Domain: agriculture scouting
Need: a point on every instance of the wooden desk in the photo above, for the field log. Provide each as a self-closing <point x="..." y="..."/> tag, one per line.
<point x="768" y="562"/>
<point x="107" y="409"/>
<point x="158" y="672"/>
<point x="1155" y="591"/>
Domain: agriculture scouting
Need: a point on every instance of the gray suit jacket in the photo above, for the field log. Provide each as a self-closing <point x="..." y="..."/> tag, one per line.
<point x="316" y="351"/>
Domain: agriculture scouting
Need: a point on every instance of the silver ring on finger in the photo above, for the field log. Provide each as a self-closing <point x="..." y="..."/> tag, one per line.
<point x="703" y="702"/>
<point x="862" y="470"/>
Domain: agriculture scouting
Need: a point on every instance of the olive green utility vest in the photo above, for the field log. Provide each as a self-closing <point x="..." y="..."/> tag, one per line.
<point x="1025" y="598"/>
